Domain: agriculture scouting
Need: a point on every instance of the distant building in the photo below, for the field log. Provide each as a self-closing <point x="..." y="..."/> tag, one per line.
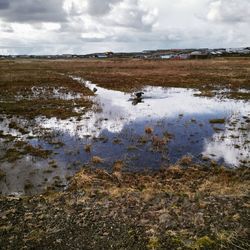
<point x="199" y="55"/>
<point x="101" y="55"/>
<point x="166" y="56"/>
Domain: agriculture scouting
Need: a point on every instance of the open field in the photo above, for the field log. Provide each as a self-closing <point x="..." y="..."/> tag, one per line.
<point x="125" y="74"/>
<point x="66" y="154"/>
<point x="29" y="85"/>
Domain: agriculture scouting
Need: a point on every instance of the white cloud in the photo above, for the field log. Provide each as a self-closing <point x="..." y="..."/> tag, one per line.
<point x="133" y="14"/>
<point x="83" y="26"/>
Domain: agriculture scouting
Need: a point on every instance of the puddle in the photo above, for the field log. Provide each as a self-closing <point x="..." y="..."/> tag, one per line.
<point x="178" y="122"/>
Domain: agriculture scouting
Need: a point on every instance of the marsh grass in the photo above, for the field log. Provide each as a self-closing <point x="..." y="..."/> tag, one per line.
<point x="18" y="78"/>
<point x="97" y="160"/>
<point x="22" y="148"/>
<point x="217" y="121"/>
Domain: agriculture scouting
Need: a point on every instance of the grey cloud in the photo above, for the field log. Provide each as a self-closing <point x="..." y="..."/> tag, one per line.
<point x="30" y="11"/>
<point x="4" y="4"/>
<point x="229" y="11"/>
<point x="100" y="8"/>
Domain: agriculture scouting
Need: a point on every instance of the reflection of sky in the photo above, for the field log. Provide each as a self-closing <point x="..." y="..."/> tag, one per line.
<point x="159" y="103"/>
<point x="234" y="148"/>
<point x="174" y="110"/>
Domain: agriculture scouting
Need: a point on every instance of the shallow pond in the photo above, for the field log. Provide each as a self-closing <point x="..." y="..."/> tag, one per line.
<point x="156" y="131"/>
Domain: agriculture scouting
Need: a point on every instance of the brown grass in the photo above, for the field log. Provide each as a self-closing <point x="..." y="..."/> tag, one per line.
<point x="17" y="79"/>
<point x="186" y="160"/>
<point x="122" y="74"/>
<point x="97" y="160"/>
<point x="19" y="76"/>
<point x="202" y="74"/>
<point x="176" y="208"/>
<point x="118" y="166"/>
<point x="149" y="130"/>
<point x="216" y="181"/>
<point x="87" y="148"/>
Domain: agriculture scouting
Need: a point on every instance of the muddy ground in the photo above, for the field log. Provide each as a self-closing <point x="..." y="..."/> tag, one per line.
<point x="183" y="207"/>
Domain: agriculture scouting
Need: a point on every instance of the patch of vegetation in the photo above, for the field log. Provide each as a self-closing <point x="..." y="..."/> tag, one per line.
<point x="204" y="243"/>
<point x="217" y="121"/>
<point x="44" y="107"/>
<point x="7" y="137"/>
<point x="87" y="148"/>
<point x="149" y="210"/>
<point x="206" y="93"/>
<point x="28" y="185"/>
<point x="239" y="95"/>
<point x="37" y="152"/>
<point x="12" y="155"/>
<point x="17" y="81"/>
<point x="2" y="174"/>
<point x="153" y="243"/>
<point x="149" y="130"/>
<point x="97" y="160"/>
<point x="21" y="148"/>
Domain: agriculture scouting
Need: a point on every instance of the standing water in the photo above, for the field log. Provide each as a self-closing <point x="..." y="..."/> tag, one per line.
<point x="148" y="133"/>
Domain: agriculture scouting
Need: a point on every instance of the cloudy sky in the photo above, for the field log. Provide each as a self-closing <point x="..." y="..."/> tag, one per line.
<point x="84" y="26"/>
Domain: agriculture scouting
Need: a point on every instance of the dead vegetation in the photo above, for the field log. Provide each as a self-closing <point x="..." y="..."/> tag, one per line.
<point x="17" y="81"/>
<point x="20" y="149"/>
<point x="207" y="75"/>
<point x="87" y="148"/>
<point x="175" y="208"/>
<point x="149" y="130"/>
<point x="217" y="121"/>
<point x="97" y="160"/>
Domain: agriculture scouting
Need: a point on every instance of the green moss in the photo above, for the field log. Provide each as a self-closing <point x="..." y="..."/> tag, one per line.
<point x="203" y="243"/>
<point x="153" y="243"/>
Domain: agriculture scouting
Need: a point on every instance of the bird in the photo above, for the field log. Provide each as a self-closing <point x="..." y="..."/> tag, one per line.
<point x="139" y="95"/>
<point x="95" y="90"/>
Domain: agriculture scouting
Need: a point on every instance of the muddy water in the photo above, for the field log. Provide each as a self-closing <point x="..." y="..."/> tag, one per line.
<point x="179" y="123"/>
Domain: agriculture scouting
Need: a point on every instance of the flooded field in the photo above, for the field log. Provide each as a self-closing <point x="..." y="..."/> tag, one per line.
<point x="135" y="154"/>
<point x="166" y="126"/>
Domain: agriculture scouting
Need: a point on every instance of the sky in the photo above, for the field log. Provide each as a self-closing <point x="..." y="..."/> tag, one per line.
<point x="84" y="26"/>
